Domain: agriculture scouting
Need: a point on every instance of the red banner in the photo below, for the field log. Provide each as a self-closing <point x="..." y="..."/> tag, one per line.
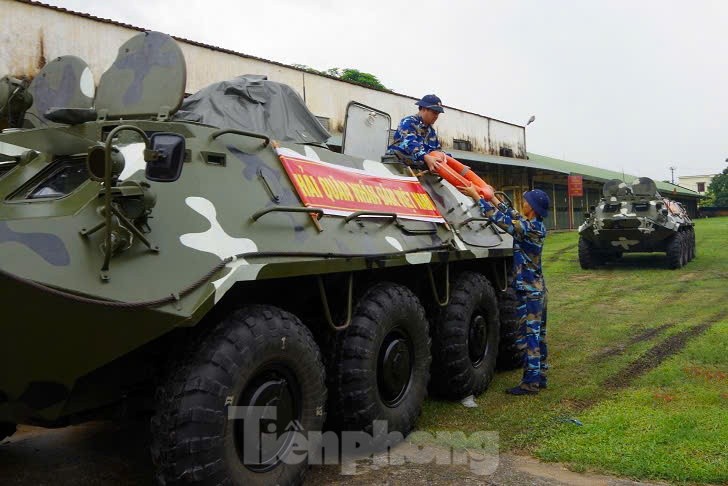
<point x="576" y="186"/>
<point x="342" y="191"/>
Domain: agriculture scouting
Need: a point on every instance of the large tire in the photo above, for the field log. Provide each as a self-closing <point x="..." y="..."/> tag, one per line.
<point x="685" y="248"/>
<point x="674" y="252"/>
<point x="258" y="356"/>
<point x="6" y="430"/>
<point x="465" y="339"/>
<point x="691" y="244"/>
<point x="588" y="257"/>
<point x="382" y="362"/>
<point x="510" y="356"/>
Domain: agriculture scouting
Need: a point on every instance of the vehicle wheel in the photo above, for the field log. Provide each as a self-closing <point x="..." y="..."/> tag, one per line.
<point x="465" y="339"/>
<point x="6" y="430"/>
<point x="691" y="241"/>
<point x="685" y="248"/>
<point x="510" y="356"/>
<point x="259" y="356"/>
<point x="674" y="252"/>
<point x="382" y="363"/>
<point x="588" y="257"/>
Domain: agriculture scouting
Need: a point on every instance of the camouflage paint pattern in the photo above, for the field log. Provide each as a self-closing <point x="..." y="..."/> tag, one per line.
<point x="64" y="82"/>
<point x="633" y="218"/>
<point x="51" y="341"/>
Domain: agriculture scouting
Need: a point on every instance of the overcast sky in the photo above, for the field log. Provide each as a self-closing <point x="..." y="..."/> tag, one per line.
<point x="627" y="85"/>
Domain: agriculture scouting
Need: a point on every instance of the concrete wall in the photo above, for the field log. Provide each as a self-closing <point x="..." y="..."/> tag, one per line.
<point x="691" y="182"/>
<point x="31" y="35"/>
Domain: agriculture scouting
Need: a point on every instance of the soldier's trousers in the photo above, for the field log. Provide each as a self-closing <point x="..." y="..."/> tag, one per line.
<point x="532" y="338"/>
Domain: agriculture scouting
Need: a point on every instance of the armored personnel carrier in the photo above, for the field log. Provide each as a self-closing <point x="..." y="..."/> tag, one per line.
<point x="635" y="218"/>
<point x="214" y="261"/>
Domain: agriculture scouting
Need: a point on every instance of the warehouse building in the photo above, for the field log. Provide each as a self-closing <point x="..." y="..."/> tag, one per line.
<point x="494" y="148"/>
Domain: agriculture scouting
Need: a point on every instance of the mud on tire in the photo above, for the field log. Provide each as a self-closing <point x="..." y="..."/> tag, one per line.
<point x="257" y="356"/>
<point x="465" y="339"/>
<point x="382" y="363"/>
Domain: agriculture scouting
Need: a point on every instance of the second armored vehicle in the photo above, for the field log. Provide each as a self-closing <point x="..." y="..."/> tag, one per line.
<point x="635" y="218"/>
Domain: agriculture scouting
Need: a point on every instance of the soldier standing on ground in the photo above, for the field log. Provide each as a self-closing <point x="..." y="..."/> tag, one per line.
<point x="529" y="233"/>
<point x="415" y="138"/>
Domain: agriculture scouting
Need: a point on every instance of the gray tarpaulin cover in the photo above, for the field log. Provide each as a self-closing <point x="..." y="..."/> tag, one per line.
<point x="254" y="104"/>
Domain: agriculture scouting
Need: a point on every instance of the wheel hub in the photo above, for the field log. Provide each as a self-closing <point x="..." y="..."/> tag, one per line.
<point x="273" y="398"/>
<point x="477" y="339"/>
<point x="394" y="368"/>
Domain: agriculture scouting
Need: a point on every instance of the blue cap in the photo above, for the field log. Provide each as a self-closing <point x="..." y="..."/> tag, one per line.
<point x="431" y="102"/>
<point x="539" y="201"/>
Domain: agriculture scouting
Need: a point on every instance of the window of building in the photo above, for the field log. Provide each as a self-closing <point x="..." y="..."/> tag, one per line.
<point x="459" y="144"/>
<point x="701" y="186"/>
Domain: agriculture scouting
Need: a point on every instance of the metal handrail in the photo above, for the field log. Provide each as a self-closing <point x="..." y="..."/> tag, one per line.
<point x="288" y="209"/>
<point x="395" y="219"/>
<point x="217" y="133"/>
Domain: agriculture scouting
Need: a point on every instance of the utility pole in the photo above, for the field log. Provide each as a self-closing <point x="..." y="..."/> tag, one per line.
<point x="672" y="174"/>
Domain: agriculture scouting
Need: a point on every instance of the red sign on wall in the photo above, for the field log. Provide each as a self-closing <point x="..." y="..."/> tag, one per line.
<point x="576" y="186"/>
<point x="342" y="191"/>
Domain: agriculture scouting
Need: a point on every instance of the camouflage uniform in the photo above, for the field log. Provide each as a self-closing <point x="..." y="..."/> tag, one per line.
<point x="413" y="139"/>
<point x="529" y="284"/>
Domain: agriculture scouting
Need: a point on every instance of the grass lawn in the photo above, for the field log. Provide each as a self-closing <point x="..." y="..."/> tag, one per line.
<point x="639" y="356"/>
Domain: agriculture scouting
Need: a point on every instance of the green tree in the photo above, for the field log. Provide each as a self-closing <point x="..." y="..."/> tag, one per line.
<point x="718" y="190"/>
<point x="348" y="74"/>
<point x="366" y="79"/>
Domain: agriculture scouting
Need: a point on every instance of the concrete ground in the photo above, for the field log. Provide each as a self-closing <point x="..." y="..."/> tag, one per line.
<point x="106" y="453"/>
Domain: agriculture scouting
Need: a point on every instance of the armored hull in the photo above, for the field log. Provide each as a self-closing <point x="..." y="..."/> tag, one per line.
<point x="632" y="220"/>
<point x="198" y="265"/>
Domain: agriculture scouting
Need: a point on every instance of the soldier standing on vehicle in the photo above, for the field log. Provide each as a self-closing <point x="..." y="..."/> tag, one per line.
<point x="529" y="233"/>
<point x="415" y="138"/>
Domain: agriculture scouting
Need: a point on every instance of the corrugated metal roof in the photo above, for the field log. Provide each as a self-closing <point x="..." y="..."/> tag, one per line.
<point x="598" y="174"/>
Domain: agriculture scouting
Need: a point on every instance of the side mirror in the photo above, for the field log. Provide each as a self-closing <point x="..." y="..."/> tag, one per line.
<point x="165" y="158"/>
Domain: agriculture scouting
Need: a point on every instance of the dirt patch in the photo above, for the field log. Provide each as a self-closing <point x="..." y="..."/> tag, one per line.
<point x="689" y="277"/>
<point x="663" y="397"/>
<point x="559" y="253"/>
<point x="115" y="454"/>
<point x="656" y="355"/>
<point x="578" y="404"/>
<point x="508" y="469"/>
<point x="705" y="373"/>
<point x="643" y="336"/>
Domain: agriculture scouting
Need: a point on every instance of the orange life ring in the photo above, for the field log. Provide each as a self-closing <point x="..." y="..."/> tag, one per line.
<point x="460" y="175"/>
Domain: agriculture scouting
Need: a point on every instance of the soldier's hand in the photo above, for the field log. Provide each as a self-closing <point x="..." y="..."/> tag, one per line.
<point x="440" y="156"/>
<point x="471" y="192"/>
<point x="431" y="161"/>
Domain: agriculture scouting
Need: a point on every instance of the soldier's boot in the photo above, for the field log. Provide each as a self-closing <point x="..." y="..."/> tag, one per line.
<point x="523" y="389"/>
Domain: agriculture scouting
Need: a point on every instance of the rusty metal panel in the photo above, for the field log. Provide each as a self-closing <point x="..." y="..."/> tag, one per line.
<point x="506" y="137"/>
